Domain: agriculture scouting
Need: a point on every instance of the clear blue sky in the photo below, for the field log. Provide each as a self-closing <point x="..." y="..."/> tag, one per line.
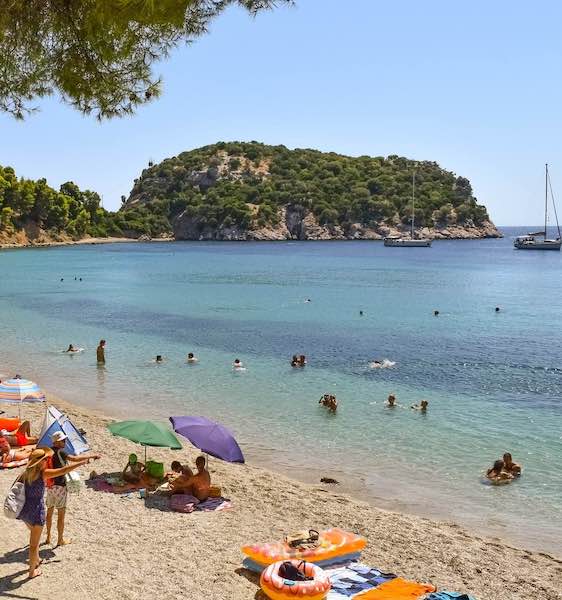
<point x="475" y="86"/>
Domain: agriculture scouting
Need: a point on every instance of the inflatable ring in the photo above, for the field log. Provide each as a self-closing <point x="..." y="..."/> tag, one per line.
<point x="278" y="588"/>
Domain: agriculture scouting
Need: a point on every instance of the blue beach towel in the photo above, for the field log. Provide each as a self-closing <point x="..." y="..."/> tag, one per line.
<point x="449" y="596"/>
<point x="353" y="579"/>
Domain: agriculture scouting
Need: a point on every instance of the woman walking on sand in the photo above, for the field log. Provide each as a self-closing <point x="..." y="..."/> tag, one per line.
<point x="33" y="511"/>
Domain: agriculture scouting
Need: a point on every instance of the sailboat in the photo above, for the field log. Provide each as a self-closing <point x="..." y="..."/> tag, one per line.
<point x="530" y="241"/>
<point x="412" y="241"/>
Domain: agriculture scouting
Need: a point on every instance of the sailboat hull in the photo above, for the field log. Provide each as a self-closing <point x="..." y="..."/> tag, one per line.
<point x="407" y="243"/>
<point x="537" y="245"/>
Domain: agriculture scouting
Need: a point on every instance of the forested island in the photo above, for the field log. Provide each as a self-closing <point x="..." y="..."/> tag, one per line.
<point x="252" y="191"/>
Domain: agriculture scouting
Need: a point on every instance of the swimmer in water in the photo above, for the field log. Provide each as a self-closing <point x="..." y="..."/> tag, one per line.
<point x="435" y="313"/>
<point x="509" y="466"/>
<point x="497" y="474"/>
<point x="391" y="401"/>
<point x="70" y="348"/>
<point x="360" y="313"/>
<point x="295" y="361"/>
<point x="237" y="365"/>
<point x="329" y="401"/>
<point x="422" y="406"/>
<point x="497" y="309"/>
<point x="308" y="300"/>
<point x="382" y="364"/>
<point x="302" y="360"/>
<point x="191" y="358"/>
<point x="158" y="358"/>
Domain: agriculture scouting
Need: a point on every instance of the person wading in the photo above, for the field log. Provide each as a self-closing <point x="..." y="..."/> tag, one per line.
<point x="57" y="493"/>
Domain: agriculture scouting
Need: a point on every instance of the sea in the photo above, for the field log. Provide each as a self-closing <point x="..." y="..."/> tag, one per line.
<point x="493" y="379"/>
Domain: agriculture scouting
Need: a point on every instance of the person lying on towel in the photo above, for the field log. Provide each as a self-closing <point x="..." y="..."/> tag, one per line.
<point x="20" y="436"/>
<point x="8" y="455"/>
<point x="197" y="485"/>
<point x="132" y="473"/>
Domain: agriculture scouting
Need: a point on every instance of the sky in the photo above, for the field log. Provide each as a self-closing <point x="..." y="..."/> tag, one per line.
<point x="474" y="86"/>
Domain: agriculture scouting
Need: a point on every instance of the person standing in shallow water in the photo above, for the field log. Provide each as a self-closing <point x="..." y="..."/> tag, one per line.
<point x="100" y="352"/>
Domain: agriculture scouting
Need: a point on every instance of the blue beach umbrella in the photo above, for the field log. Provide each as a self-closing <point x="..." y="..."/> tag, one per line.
<point x="18" y="391"/>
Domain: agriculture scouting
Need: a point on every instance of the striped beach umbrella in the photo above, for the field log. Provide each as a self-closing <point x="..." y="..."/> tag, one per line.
<point x="17" y="391"/>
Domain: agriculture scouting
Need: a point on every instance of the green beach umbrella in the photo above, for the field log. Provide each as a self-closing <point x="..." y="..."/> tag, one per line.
<point x="146" y="433"/>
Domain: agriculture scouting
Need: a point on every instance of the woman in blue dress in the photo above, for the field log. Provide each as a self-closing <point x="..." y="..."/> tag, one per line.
<point x="33" y="510"/>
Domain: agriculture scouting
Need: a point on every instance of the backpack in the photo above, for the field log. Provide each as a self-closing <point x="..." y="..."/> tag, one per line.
<point x="15" y="499"/>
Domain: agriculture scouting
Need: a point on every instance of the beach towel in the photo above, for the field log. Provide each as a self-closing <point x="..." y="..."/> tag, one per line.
<point x="449" y="596"/>
<point x="214" y="504"/>
<point x="353" y="579"/>
<point x="13" y="464"/>
<point x="184" y="503"/>
<point x="397" y="589"/>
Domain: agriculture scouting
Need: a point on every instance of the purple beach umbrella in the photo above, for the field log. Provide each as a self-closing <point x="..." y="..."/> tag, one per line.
<point x="210" y="437"/>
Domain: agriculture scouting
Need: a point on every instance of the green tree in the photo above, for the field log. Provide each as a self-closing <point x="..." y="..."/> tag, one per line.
<point x="98" y="55"/>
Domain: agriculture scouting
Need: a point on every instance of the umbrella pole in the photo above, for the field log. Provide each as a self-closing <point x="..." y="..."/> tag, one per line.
<point x="145" y="455"/>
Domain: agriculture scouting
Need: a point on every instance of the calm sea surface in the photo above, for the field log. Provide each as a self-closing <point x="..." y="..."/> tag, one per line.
<point x="493" y="380"/>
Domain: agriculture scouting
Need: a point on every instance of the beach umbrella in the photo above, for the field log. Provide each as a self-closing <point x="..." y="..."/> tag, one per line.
<point x="210" y="437"/>
<point x="146" y="433"/>
<point x="17" y="391"/>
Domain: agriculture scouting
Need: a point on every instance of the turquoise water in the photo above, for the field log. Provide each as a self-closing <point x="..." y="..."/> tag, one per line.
<point x="493" y="380"/>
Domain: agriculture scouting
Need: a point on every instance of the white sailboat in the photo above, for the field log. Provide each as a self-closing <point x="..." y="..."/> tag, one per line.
<point x="412" y="241"/>
<point x="533" y="241"/>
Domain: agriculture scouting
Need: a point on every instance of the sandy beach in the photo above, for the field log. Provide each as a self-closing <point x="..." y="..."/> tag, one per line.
<point x="124" y="549"/>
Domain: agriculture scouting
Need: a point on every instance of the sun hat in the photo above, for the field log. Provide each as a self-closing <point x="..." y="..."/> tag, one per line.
<point x="38" y="455"/>
<point x="58" y="436"/>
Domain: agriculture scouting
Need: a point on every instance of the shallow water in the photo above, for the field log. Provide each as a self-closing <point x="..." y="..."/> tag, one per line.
<point x="493" y="380"/>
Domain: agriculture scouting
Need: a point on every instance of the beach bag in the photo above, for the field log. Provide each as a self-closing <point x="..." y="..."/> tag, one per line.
<point x="287" y="570"/>
<point x="15" y="499"/>
<point x="72" y="479"/>
<point x="303" y="539"/>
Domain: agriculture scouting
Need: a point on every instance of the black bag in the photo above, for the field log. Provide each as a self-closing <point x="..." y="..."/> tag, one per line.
<point x="288" y="571"/>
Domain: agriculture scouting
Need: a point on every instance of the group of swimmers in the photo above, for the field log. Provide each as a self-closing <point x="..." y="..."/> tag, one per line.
<point x="298" y="360"/>
<point x="504" y="471"/>
<point x="329" y="401"/>
<point x="422" y="406"/>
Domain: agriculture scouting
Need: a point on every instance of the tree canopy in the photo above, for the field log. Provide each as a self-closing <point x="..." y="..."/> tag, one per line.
<point x="98" y="55"/>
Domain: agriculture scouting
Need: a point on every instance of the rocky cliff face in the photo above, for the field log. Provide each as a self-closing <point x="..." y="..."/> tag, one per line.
<point x="296" y="223"/>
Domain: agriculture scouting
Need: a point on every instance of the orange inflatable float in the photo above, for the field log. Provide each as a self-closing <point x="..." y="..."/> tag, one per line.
<point x="332" y="544"/>
<point x="276" y="587"/>
<point x="9" y="424"/>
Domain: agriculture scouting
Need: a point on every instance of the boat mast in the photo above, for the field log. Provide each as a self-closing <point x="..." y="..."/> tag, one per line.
<point x="413" y="201"/>
<point x="545" y="197"/>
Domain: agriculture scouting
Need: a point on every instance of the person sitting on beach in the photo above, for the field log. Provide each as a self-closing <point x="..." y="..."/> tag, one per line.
<point x="422" y="406"/>
<point x="197" y="485"/>
<point x="391" y="401"/>
<point x="497" y="474"/>
<point x="191" y="358"/>
<point x="20" y="436"/>
<point x="178" y="470"/>
<point x="132" y="473"/>
<point x="509" y="466"/>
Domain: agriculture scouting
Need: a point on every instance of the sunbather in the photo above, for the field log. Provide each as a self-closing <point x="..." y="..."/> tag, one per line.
<point x="8" y="455"/>
<point x="178" y="470"/>
<point x="132" y="473"/>
<point x="20" y="436"/>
